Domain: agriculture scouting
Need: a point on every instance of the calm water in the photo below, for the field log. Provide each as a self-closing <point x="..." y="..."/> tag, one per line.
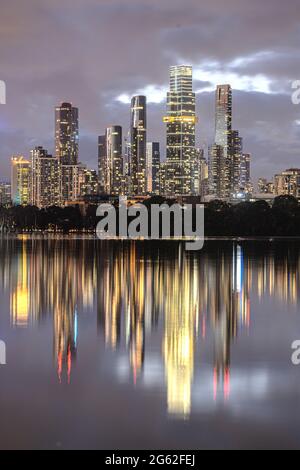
<point x="120" y="345"/>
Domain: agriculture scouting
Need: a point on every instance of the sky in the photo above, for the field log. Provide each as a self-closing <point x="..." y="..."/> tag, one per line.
<point x="98" y="53"/>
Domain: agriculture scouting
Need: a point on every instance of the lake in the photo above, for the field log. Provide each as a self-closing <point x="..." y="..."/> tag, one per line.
<point x="142" y="345"/>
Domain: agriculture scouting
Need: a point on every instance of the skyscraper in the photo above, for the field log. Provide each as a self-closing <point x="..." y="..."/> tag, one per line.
<point x="110" y="161"/>
<point x="5" y="193"/>
<point x="245" y="171"/>
<point x="138" y="132"/>
<point x="114" y="157"/>
<point x="66" y="134"/>
<point x="102" y="164"/>
<point x="215" y="169"/>
<point x="153" y="167"/>
<point x="20" y="180"/>
<point x="66" y="148"/>
<point x="44" y="178"/>
<point x="236" y="161"/>
<point x="180" y="120"/>
<point x="220" y="181"/>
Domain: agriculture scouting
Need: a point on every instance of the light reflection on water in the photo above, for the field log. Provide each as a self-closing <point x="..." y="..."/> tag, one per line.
<point x="169" y="319"/>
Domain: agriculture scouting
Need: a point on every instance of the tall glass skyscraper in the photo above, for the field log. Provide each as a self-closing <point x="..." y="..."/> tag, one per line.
<point x="181" y="120"/>
<point x="138" y="132"/>
<point x="66" y="134"/>
<point x="153" y="167"/>
<point x="110" y="161"/>
<point x="44" y="178"/>
<point x="221" y="153"/>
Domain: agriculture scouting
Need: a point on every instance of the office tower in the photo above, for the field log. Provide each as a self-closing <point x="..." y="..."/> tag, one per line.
<point x="126" y="165"/>
<point x="44" y="179"/>
<point x="222" y="169"/>
<point x="153" y="165"/>
<point x="162" y="178"/>
<point x="5" y="194"/>
<point x="66" y="134"/>
<point x="114" y="177"/>
<point x="287" y="183"/>
<point x="20" y="180"/>
<point x="215" y="168"/>
<point x="66" y="147"/>
<point x="201" y="172"/>
<point x="87" y="182"/>
<point x="265" y="186"/>
<point x="138" y="133"/>
<point x="180" y="120"/>
<point x="236" y="155"/>
<point x="110" y="158"/>
<point x="245" y="171"/>
<point x="102" y="164"/>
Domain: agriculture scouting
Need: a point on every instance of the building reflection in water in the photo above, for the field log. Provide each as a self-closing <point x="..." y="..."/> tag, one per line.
<point x="142" y="290"/>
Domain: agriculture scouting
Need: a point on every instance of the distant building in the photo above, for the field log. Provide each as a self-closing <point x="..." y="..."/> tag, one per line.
<point x="5" y="194"/>
<point x="288" y="183"/>
<point x="102" y="164"/>
<point x="265" y="186"/>
<point x="138" y="133"/>
<point x="215" y="166"/>
<point x="153" y="166"/>
<point x="66" y="134"/>
<point x="88" y="182"/>
<point x="201" y="173"/>
<point x="110" y="162"/>
<point x="20" y="180"/>
<point x="45" y="179"/>
<point x="220" y="155"/>
<point x="162" y="179"/>
<point x="66" y="147"/>
<point x="180" y="120"/>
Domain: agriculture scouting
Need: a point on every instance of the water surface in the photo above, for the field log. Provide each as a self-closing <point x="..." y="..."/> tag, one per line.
<point x="129" y="345"/>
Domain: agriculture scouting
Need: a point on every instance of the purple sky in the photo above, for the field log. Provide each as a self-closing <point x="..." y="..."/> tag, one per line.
<point x="97" y="53"/>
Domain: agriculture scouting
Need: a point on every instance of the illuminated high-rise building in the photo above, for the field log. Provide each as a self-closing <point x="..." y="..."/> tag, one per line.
<point x="153" y="166"/>
<point x="102" y="163"/>
<point x="110" y="161"/>
<point x="66" y="134"/>
<point x="220" y="179"/>
<point x="114" y="176"/>
<point x="138" y="133"/>
<point x="245" y="170"/>
<point x="20" y="180"/>
<point x="215" y="163"/>
<point x="287" y="183"/>
<point x="44" y="178"/>
<point x="66" y="147"/>
<point x="236" y="156"/>
<point x="180" y="121"/>
<point x="5" y="193"/>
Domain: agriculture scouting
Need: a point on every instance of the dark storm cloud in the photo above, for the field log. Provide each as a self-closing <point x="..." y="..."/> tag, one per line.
<point x="92" y="51"/>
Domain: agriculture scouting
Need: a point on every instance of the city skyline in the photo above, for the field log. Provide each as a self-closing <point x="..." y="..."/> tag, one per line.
<point x="63" y="68"/>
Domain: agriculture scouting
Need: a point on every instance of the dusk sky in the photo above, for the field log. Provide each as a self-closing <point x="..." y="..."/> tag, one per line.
<point x="98" y="53"/>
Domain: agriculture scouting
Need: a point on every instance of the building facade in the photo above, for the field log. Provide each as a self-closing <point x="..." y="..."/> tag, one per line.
<point x="153" y="167"/>
<point x="66" y="134"/>
<point x="20" y="181"/>
<point x="180" y="121"/>
<point x="138" y="137"/>
<point x="5" y="194"/>
<point x="287" y="183"/>
<point x="45" y="179"/>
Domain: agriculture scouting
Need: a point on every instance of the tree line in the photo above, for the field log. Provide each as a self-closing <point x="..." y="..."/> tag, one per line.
<point x="246" y="219"/>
